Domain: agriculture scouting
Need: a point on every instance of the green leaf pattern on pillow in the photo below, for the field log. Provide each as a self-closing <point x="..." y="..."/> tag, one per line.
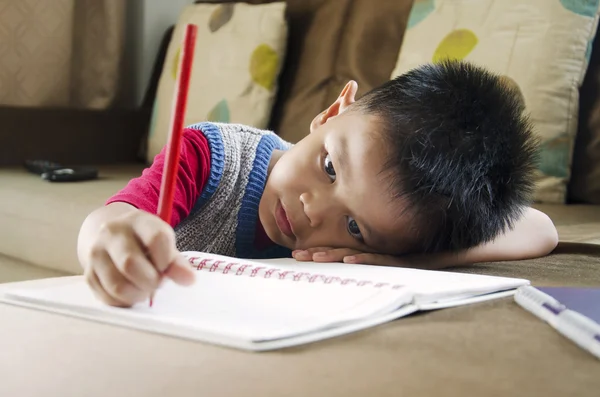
<point x="220" y="17"/>
<point x="420" y="10"/>
<point x="220" y="113"/>
<point x="587" y="8"/>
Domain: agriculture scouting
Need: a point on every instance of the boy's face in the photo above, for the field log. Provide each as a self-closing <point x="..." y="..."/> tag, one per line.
<point x="329" y="189"/>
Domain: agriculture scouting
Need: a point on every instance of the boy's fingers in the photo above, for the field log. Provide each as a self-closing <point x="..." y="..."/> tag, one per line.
<point x="96" y="287"/>
<point x="115" y="284"/>
<point x="158" y="239"/>
<point x="334" y="255"/>
<point x="128" y="257"/>
<point x="302" y="255"/>
<point x="323" y="254"/>
<point x="181" y="272"/>
<point x="307" y="255"/>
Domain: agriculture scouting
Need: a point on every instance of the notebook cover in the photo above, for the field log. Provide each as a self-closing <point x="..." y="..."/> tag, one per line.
<point x="585" y="301"/>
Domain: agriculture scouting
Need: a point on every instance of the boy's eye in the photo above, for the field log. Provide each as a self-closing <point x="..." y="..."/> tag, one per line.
<point x="353" y="229"/>
<point x="328" y="167"/>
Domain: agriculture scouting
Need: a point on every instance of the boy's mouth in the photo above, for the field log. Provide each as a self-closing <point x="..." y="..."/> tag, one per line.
<point x="283" y="222"/>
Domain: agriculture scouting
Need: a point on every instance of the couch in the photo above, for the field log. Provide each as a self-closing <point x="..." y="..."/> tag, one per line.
<point x="351" y="39"/>
<point x="360" y="39"/>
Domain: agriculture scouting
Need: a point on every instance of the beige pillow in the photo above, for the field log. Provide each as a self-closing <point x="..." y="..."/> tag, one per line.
<point x="542" y="45"/>
<point x="239" y="52"/>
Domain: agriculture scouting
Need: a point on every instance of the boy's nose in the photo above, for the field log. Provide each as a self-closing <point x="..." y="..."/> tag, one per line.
<point x="317" y="208"/>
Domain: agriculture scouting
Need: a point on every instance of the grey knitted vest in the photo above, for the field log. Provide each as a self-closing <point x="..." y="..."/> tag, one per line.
<point x="224" y="218"/>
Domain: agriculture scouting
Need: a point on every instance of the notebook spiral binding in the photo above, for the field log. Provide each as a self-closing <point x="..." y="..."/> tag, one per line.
<point x="212" y="265"/>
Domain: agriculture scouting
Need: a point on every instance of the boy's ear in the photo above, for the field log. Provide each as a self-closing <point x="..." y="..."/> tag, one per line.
<point x="512" y="85"/>
<point x="346" y="98"/>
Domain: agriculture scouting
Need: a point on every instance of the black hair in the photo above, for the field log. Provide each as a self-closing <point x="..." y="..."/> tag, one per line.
<point x="462" y="152"/>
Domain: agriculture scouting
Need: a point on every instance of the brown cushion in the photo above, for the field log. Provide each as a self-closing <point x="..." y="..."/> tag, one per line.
<point x="331" y="42"/>
<point x="370" y="43"/>
<point x="585" y="180"/>
<point x="315" y="31"/>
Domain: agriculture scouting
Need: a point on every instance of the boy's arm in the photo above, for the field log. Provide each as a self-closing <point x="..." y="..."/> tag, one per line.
<point x="142" y="193"/>
<point x="534" y="235"/>
<point x="193" y="171"/>
<point x="124" y="248"/>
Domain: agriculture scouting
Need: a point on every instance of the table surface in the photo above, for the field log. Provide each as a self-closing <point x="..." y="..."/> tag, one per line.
<point x="492" y="348"/>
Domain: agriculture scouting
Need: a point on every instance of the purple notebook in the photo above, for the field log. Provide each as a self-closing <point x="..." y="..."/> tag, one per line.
<point x="585" y="301"/>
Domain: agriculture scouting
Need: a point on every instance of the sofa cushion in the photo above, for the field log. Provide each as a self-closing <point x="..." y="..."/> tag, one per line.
<point x="585" y="182"/>
<point x="331" y="42"/>
<point x="40" y="220"/>
<point x="543" y="46"/>
<point x="315" y="33"/>
<point x="569" y="215"/>
<point x="575" y="223"/>
<point x="369" y="46"/>
<point x="239" y="52"/>
<point x="13" y="270"/>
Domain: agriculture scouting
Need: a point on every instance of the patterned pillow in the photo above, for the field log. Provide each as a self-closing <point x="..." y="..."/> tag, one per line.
<point x="542" y="45"/>
<point x="239" y="52"/>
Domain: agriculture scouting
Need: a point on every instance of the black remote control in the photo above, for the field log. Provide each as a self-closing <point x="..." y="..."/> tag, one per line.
<point x="70" y="174"/>
<point x="55" y="172"/>
<point x="41" y="166"/>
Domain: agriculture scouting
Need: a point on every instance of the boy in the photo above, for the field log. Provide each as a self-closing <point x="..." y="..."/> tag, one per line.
<point x="432" y="169"/>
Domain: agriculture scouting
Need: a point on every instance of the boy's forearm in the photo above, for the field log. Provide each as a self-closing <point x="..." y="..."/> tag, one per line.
<point x="94" y="221"/>
<point x="533" y="236"/>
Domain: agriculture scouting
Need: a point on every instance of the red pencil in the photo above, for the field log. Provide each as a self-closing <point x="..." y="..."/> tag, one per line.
<point x="167" y="187"/>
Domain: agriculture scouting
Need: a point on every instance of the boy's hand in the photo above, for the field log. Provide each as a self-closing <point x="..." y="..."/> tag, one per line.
<point x="128" y="257"/>
<point x="346" y="255"/>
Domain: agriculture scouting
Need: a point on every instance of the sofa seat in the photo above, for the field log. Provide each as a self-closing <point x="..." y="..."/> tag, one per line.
<point x="40" y="220"/>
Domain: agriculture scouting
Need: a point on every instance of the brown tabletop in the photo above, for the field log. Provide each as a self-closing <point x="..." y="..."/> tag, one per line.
<point x="489" y="349"/>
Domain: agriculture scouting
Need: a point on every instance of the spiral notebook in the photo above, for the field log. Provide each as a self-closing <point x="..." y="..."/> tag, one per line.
<point x="270" y="304"/>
